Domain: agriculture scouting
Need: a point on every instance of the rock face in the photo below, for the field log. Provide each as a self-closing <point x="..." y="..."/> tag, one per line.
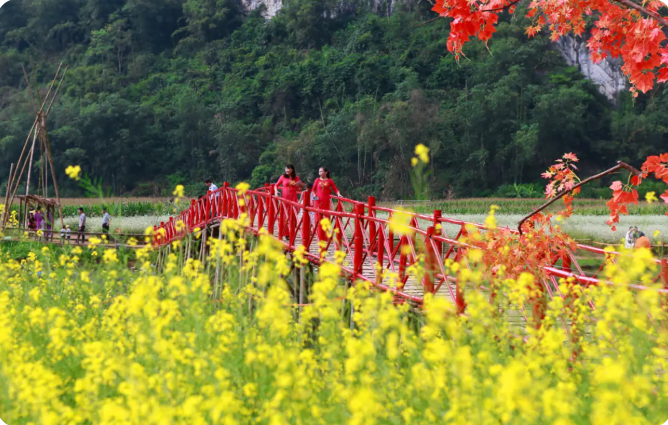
<point x="273" y="6"/>
<point x="607" y="74"/>
<point x="383" y="7"/>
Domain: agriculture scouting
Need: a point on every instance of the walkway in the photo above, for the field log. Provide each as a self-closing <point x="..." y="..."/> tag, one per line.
<point x="362" y="232"/>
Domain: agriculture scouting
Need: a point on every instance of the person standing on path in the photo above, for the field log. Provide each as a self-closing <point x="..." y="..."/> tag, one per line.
<point x="323" y="187"/>
<point x="39" y="218"/>
<point x="643" y="241"/>
<point x="106" y="221"/>
<point x="288" y="185"/>
<point x="82" y="226"/>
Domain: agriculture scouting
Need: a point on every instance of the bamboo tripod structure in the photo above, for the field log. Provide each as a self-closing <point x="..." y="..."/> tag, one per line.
<point x="39" y="132"/>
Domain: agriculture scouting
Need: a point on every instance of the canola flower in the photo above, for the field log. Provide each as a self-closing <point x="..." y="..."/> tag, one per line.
<point x="73" y="172"/>
<point x="88" y="340"/>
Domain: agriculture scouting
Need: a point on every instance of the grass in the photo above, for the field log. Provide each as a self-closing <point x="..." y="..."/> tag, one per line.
<point x="587" y="207"/>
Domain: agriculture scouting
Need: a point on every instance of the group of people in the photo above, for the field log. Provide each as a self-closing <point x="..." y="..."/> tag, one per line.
<point x="66" y="232"/>
<point x="289" y="184"/>
<point x="292" y="188"/>
<point x="636" y="239"/>
<point x="37" y="221"/>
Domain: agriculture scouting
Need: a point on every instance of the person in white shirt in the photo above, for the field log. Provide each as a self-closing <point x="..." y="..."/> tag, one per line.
<point x="212" y="187"/>
<point x="82" y="226"/>
<point x="106" y="221"/>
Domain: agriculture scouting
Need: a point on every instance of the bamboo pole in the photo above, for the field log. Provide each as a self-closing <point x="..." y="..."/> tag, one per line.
<point x="15" y="181"/>
<point x="11" y="170"/>
<point x="32" y="153"/>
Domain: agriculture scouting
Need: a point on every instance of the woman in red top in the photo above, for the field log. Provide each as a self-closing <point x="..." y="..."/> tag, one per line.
<point x="323" y="187"/>
<point x="289" y="183"/>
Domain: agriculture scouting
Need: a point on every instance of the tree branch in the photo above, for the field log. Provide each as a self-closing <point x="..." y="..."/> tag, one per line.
<point x="639" y="8"/>
<point x="508" y="6"/>
<point x="563" y="193"/>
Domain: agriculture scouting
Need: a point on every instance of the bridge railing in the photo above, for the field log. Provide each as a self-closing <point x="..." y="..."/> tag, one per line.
<point x="363" y="235"/>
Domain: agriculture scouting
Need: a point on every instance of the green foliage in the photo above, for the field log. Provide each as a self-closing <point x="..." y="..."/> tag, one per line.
<point x="172" y="91"/>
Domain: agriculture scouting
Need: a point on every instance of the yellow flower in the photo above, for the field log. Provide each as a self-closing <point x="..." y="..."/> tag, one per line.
<point x="242" y="188"/>
<point x="422" y="152"/>
<point x="178" y="192"/>
<point x="414" y="162"/>
<point x="73" y="172"/>
<point x="651" y="197"/>
<point x="400" y="223"/>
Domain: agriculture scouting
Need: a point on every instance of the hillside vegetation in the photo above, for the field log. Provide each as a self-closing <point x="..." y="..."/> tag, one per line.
<point x="163" y="92"/>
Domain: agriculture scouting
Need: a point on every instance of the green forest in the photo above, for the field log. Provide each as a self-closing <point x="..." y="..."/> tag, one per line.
<point x="166" y="92"/>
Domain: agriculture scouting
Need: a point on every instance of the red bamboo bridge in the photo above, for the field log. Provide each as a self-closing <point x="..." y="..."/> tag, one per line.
<point x="362" y="232"/>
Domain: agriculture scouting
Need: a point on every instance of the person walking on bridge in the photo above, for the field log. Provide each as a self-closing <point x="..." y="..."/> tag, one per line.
<point x="288" y="184"/>
<point x="323" y="187"/>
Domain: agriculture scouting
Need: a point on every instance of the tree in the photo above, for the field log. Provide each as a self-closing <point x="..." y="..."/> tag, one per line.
<point x="621" y="28"/>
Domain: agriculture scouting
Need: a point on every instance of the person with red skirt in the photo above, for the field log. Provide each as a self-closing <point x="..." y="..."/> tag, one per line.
<point x="288" y="184"/>
<point x="323" y="187"/>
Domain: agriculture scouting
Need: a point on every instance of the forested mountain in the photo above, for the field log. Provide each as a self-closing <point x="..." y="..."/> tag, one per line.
<point x="161" y="92"/>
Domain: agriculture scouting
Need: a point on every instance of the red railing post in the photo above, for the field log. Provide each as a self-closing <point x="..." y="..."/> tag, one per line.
<point x="226" y="202"/>
<point x="381" y="256"/>
<point x="281" y="219"/>
<point x="291" y="222"/>
<point x="429" y="263"/>
<point x="664" y="272"/>
<point x="390" y="237"/>
<point x="271" y="212"/>
<point x="359" y="239"/>
<point x="260" y="211"/>
<point x="403" y="259"/>
<point x="438" y="230"/>
<point x="191" y="218"/>
<point x="372" y="224"/>
<point x="306" y="220"/>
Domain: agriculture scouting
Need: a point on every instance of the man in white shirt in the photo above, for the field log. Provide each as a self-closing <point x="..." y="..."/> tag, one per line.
<point x="106" y="221"/>
<point x="212" y="187"/>
<point x="82" y="226"/>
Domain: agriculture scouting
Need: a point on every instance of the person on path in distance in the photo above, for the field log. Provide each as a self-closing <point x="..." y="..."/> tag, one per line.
<point x="39" y="218"/>
<point x="630" y="239"/>
<point x="106" y="221"/>
<point x="82" y="226"/>
<point x="323" y="187"/>
<point x="642" y="241"/>
<point x="288" y="185"/>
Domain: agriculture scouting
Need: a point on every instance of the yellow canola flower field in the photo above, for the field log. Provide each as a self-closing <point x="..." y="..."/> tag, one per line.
<point x="86" y="340"/>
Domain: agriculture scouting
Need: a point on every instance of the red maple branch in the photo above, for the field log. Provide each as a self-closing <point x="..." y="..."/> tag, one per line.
<point x="619" y="166"/>
<point x="639" y="8"/>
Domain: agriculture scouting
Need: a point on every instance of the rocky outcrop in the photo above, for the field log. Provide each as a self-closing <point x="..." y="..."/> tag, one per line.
<point x="272" y="6"/>
<point x="607" y="74"/>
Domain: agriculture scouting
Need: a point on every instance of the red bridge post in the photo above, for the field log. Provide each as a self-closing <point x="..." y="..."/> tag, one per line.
<point x="306" y="220"/>
<point x="359" y="239"/>
<point x="438" y="230"/>
<point x="372" y="224"/>
<point x="271" y="212"/>
<point x="226" y="200"/>
<point x="429" y="263"/>
<point x="403" y="258"/>
<point x="381" y="256"/>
